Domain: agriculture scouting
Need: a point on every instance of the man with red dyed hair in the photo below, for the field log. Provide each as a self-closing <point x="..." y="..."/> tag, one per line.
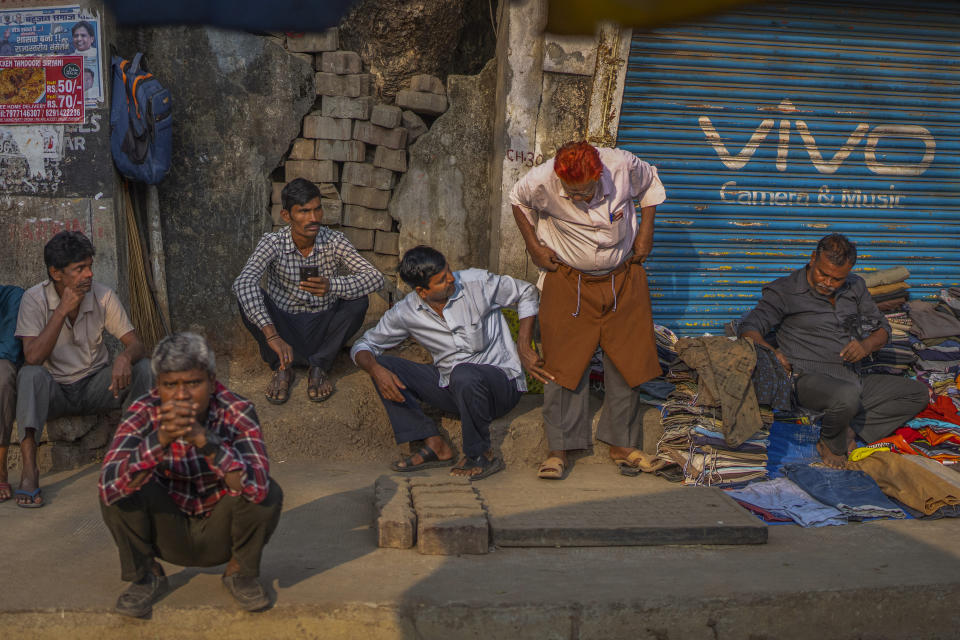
<point x="577" y="216"/>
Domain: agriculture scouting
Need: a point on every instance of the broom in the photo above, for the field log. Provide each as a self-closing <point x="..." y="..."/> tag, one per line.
<point x="143" y="307"/>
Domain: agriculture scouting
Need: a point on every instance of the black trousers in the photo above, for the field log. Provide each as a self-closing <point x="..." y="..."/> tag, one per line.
<point x="316" y="338"/>
<point x="874" y="408"/>
<point x="478" y="393"/>
<point x="149" y="524"/>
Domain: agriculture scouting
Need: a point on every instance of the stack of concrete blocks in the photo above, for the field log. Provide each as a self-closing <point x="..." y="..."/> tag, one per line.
<point x="355" y="147"/>
<point x="442" y="515"/>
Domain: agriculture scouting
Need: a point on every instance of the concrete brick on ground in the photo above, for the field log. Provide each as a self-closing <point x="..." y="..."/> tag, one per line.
<point x="340" y="150"/>
<point x="384" y="264"/>
<point x="414" y="125"/>
<point x="361" y="239"/>
<point x="453" y="535"/>
<point x="302" y="149"/>
<point x="339" y="62"/>
<point x="314" y="42"/>
<point x="448" y="500"/>
<point x="430" y="104"/>
<point x="306" y="57"/>
<point x="396" y="520"/>
<point x="312" y="170"/>
<point x="316" y="125"/>
<point x="353" y="85"/>
<point x="433" y="489"/>
<point x="386" y="115"/>
<point x="365" y="197"/>
<point x="332" y="211"/>
<point x="437" y="481"/>
<point x="393" y="159"/>
<point x="387" y="242"/>
<point x="427" y="83"/>
<point x="366" y="175"/>
<point x="396" y="529"/>
<point x="370" y="133"/>
<point x="356" y="216"/>
<point x="342" y="107"/>
<point x="328" y="191"/>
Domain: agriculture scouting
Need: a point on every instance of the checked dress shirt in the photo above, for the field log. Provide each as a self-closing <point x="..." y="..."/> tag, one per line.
<point x="278" y="256"/>
<point x="193" y="484"/>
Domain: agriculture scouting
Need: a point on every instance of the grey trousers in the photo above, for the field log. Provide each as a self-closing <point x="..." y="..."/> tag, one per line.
<point x="148" y="524"/>
<point x="8" y="400"/>
<point x="41" y="398"/>
<point x="566" y="414"/>
<point x="874" y="408"/>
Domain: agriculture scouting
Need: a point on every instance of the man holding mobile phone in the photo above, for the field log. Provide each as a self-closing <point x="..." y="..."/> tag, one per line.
<point x="308" y="310"/>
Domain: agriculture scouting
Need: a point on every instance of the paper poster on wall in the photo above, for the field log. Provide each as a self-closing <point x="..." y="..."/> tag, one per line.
<point x="41" y="90"/>
<point x="56" y="31"/>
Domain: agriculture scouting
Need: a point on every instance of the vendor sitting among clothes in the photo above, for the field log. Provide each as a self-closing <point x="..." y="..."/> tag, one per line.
<point x="826" y="323"/>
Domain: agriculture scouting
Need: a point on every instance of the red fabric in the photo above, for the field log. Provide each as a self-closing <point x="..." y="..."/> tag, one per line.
<point x="942" y="408"/>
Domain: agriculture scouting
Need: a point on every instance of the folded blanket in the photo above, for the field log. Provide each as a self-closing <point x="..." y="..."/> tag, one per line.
<point x="884" y="276"/>
<point x="884" y="289"/>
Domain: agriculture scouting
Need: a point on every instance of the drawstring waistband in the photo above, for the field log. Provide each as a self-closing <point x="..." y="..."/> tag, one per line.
<point x="577" y="312"/>
<point x="613" y="288"/>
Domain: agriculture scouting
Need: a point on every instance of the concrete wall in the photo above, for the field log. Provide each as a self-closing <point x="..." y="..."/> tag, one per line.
<point x="238" y="102"/>
<point x="56" y="177"/>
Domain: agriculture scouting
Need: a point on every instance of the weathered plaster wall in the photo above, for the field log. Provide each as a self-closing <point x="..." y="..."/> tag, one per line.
<point x="443" y="198"/>
<point x="238" y="103"/>
<point x="56" y="177"/>
<point x="400" y="38"/>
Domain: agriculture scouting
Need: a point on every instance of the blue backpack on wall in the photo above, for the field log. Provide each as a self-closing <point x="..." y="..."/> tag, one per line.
<point x="141" y="122"/>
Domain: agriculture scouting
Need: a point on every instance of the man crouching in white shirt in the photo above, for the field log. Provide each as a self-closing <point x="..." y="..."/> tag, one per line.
<point x="477" y="370"/>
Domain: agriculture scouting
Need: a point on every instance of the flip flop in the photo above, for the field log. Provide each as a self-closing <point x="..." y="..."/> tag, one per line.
<point x="552" y="469"/>
<point x="6" y="485"/>
<point x="429" y="460"/>
<point x="487" y="466"/>
<point x="285" y="393"/>
<point x="316" y="377"/>
<point x="30" y="494"/>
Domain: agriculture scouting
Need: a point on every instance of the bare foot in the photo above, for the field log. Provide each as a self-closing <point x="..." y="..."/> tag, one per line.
<point x="831" y="459"/>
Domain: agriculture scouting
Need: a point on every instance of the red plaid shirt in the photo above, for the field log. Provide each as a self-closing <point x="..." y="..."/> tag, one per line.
<point x="193" y="483"/>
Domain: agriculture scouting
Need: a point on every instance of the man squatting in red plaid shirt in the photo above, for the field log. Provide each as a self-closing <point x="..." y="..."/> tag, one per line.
<point x="187" y="480"/>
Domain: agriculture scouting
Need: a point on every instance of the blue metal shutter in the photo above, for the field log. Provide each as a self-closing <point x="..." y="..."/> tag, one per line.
<point x="774" y="126"/>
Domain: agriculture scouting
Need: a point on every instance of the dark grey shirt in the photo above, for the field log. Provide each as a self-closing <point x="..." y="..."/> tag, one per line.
<point x="810" y="330"/>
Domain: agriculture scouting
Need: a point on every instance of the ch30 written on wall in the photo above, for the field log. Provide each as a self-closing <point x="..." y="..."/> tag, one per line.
<point x="41" y="90"/>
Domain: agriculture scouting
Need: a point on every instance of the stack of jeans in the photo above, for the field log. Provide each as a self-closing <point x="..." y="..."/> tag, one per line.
<point x="854" y="493"/>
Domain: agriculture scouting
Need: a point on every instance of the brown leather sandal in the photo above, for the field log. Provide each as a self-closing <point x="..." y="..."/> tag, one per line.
<point x="280" y="385"/>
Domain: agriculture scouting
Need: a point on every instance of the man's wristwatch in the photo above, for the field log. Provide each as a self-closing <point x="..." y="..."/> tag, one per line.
<point x="212" y="446"/>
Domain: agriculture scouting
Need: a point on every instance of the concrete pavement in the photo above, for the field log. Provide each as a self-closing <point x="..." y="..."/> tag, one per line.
<point x="59" y="577"/>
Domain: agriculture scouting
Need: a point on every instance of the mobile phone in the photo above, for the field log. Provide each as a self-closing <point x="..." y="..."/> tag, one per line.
<point x="309" y="272"/>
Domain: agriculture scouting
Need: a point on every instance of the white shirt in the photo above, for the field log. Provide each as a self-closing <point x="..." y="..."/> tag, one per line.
<point x="472" y="328"/>
<point x="596" y="236"/>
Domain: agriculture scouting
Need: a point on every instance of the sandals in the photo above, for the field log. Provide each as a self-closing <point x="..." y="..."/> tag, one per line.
<point x="487" y="466"/>
<point x="283" y="393"/>
<point x="315" y="378"/>
<point x="552" y="469"/>
<point x="638" y="462"/>
<point x="33" y="504"/>
<point x="428" y="458"/>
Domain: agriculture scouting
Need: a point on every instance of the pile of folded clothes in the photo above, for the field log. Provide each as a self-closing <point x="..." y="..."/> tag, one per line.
<point x="814" y="496"/>
<point x="716" y="420"/>
<point x="887" y="287"/>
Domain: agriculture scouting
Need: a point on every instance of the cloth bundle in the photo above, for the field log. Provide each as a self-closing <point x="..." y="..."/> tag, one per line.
<point x="919" y="483"/>
<point x="887" y="287"/>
